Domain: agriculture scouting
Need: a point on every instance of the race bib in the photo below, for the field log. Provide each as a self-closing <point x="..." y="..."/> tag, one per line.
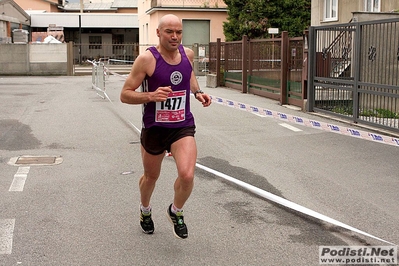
<point x="173" y="109"/>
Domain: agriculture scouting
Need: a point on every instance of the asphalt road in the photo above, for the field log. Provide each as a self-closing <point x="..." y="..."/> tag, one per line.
<point x="84" y="211"/>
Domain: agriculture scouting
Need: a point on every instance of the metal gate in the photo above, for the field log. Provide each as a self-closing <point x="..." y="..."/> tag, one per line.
<point x="271" y="68"/>
<point x="354" y="72"/>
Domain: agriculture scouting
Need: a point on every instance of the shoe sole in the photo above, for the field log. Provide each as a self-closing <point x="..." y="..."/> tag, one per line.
<point x="147" y="232"/>
<point x="173" y="226"/>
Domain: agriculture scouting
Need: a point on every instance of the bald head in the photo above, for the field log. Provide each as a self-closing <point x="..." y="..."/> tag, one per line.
<point x="169" y="31"/>
<point x="167" y="20"/>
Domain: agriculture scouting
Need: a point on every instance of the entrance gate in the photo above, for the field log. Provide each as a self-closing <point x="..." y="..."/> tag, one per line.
<point x="354" y="72"/>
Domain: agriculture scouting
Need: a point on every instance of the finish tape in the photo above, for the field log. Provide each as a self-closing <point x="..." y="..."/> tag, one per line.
<point x="287" y="203"/>
<point x="309" y="122"/>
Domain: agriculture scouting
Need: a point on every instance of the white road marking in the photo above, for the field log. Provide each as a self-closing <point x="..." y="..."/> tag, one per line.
<point x="6" y="235"/>
<point x="19" y="179"/>
<point x="259" y="115"/>
<point x="295" y="129"/>
<point x="287" y="203"/>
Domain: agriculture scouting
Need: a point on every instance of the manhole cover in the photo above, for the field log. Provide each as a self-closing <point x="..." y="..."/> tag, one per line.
<point x="35" y="160"/>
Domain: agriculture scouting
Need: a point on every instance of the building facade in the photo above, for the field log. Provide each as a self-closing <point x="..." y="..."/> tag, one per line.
<point x="202" y="20"/>
<point x="100" y="22"/>
<point x="325" y="12"/>
<point x="12" y="17"/>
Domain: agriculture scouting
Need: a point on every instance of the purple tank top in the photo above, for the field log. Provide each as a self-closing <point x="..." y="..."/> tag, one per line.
<point x="175" y="111"/>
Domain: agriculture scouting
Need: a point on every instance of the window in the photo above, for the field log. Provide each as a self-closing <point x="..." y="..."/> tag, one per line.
<point x="95" y="42"/>
<point x="372" y="5"/>
<point x="146" y="33"/>
<point x="331" y="10"/>
<point x="118" y="39"/>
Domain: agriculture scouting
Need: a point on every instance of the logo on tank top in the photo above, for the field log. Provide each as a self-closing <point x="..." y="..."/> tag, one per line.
<point x="176" y="77"/>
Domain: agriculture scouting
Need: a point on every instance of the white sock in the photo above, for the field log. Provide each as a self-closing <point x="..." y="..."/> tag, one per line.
<point x="145" y="209"/>
<point x="174" y="209"/>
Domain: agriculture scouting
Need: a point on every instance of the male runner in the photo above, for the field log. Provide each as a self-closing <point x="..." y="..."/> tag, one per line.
<point x="166" y="75"/>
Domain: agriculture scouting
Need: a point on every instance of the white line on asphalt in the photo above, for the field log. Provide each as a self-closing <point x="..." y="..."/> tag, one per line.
<point x="19" y="179"/>
<point x="6" y="235"/>
<point x="286" y="203"/>
<point x="295" y="129"/>
<point x="259" y="115"/>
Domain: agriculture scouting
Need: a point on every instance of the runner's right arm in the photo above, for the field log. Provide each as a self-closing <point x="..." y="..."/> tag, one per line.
<point x="142" y="66"/>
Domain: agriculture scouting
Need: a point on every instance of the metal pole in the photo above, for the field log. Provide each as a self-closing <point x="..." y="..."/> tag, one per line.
<point x="311" y="68"/>
<point x="244" y="78"/>
<point x="80" y="32"/>
<point x="80" y="39"/>
<point x="218" y="57"/>
<point x="284" y="67"/>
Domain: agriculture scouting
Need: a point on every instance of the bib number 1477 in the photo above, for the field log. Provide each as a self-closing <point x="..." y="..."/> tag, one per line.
<point x="171" y="103"/>
<point x="173" y="109"/>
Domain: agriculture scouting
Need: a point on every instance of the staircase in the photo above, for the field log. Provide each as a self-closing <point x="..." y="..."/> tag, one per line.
<point x="340" y="51"/>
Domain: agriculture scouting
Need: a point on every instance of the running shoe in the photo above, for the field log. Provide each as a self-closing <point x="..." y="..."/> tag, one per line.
<point x="177" y="220"/>
<point x="147" y="225"/>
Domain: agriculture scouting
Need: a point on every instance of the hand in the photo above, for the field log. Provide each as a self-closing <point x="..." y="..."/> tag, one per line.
<point x="161" y="94"/>
<point x="205" y="99"/>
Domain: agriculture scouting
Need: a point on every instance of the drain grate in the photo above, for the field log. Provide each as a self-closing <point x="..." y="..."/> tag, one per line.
<point x="35" y="160"/>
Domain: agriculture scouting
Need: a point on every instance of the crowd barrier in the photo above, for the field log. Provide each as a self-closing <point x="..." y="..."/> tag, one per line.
<point x="98" y="76"/>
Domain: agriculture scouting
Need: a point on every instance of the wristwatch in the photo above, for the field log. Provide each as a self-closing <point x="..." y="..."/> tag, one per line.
<point x="198" y="91"/>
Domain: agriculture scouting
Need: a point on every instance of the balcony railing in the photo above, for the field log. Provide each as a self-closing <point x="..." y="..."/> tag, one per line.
<point x="189" y="3"/>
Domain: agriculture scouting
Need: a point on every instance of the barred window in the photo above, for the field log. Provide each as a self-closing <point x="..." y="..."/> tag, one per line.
<point x="95" y="42"/>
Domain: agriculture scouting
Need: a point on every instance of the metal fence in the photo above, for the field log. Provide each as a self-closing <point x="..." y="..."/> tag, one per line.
<point x="98" y="77"/>
<point x="272" y="68"/>
<point x="86" y="51"/>
<point x="354" y="72"/>
<point x="119" y="57"/>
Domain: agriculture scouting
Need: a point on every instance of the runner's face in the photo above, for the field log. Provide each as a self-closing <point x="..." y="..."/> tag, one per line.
<point x="170" y="35"/>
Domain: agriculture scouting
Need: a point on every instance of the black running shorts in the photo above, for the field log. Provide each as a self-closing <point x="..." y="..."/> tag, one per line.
<point x="156" y="140"/>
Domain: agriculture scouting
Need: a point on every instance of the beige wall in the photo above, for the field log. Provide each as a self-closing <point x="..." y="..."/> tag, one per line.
<point x="345" y="9"/>
<point x="33" y="59"/>
<point x="148" y="23"/>
<point x="37" y="5"/>
<point x="389" y="5"/>
<point x="9" y="12"/>
<point x="369" y="16"/>
<point x="190" y="3"/>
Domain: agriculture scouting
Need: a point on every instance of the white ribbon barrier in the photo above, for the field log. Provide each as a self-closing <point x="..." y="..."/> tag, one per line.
<point x="308" y="122"/>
